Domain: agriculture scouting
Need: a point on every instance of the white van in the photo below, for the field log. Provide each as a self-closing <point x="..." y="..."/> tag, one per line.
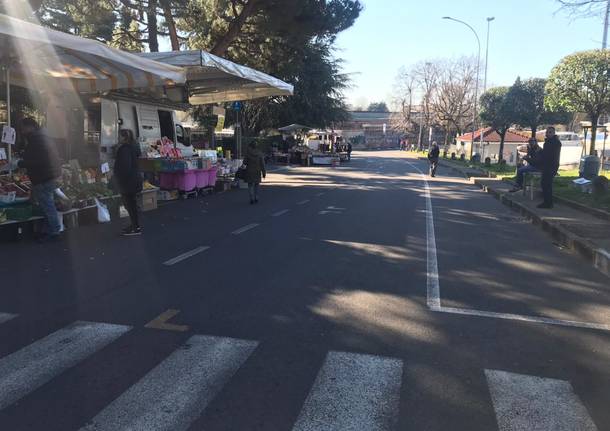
<point x="571" y="148"/>
<point x="89" y="132"/>
<point x="148" y="123"/>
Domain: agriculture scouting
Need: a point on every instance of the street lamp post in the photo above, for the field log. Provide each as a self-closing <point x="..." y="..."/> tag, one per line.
<point x="476" y="87"/>
<point x="606" y="128"/>
<point x="489" y="20"/>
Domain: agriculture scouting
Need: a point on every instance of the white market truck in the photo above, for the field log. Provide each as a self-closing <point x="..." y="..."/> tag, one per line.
<point x="90" y="132"/>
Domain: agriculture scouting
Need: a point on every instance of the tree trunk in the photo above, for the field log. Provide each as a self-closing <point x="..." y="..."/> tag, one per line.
<point x="501" y="151"/>
<point x="594" y="120"/>
<point x="220" y="48"/>
<point x="153" y="31"/>
<point x="171" y="25"/>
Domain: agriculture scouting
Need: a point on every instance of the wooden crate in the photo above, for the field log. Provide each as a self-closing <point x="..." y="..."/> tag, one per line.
<point x="147" y="200"/>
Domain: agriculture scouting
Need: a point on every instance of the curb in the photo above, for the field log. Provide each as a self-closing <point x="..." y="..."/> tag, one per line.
<point x="604" y="215"/>
<point x="599" y="258"/>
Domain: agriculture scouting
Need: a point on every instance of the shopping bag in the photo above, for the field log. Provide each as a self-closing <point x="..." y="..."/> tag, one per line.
<point x="103" y="215"/>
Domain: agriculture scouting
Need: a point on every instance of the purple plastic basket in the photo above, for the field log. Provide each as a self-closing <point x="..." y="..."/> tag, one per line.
<point x="212" y="176"/>
<point x="167" y="180"/>
<point x="186" y="181"/>
<point x="202" y="178"/>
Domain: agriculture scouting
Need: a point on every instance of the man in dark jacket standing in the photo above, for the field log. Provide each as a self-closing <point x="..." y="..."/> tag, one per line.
<point x="255" y="169"/>
<point x="550" y="164"/>
<point x="433" y="156"/>
<point x="43" y="166"/>
<point x="128" y="179"/>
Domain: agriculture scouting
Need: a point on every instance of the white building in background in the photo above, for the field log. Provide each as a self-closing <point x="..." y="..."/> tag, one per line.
<point x="490" y="146"/>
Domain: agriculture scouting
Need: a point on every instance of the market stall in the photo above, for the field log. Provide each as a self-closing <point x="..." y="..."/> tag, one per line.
<point x="212" y="79"/>
<point x="54" y="68"/>
<point x="324" y="147"/>
<point x="87" y="91"/>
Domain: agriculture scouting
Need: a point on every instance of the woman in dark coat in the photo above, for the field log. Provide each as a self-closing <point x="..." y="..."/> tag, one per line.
<point x="255" y="168"/>
<point x="128" y="178"/>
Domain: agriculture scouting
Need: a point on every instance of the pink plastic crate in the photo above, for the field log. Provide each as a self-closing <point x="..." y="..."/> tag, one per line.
<point x="167" y="180"/>
<point x="212" y="176"/>
<point x="186" y="181"/>
<point x="202" y="177"/>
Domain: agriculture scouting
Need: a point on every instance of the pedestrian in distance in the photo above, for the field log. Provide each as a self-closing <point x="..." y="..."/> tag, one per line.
<point x="41" y="161"/>
<point x="433" y="156"/>
<point x="255" y="169"/>
<point x="128" y="179"/>
<point x="549" y="158"/>
<point x="349" y="151"/>
<point x="533" y="163"/>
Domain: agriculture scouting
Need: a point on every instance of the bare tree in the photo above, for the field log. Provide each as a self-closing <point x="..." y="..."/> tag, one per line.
<point x="426" y="76"/>
<point x="453" y="100"/>
<point x="582" y="8"/>
<point x="586" y="8"/>
<point x="404" y="89"/>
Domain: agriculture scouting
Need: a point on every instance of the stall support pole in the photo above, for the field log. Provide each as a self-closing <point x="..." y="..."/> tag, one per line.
<point x="238" y="137"/>
<point x="9" y="150"/>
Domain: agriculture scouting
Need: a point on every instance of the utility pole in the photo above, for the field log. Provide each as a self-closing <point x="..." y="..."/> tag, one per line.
<point x="606" y="19"/>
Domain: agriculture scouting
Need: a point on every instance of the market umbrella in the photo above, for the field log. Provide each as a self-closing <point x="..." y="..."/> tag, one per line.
<point x="50" y="61"/>
<point x="37" y="54"/>
<point x="212" y="79"/>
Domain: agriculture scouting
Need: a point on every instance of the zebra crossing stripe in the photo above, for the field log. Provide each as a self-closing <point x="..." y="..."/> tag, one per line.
<point x="29" y="368"/>
<point x="353" y="392"/>
<point x="175" y="393"/>
<point x="5" y="317"/>
<point x="532" y="403"/>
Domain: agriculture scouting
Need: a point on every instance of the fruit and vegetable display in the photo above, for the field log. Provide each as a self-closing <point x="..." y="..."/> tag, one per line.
<point x="14" y="188"/>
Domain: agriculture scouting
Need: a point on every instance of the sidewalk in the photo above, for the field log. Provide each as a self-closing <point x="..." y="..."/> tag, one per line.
<point x="582" y="232"/>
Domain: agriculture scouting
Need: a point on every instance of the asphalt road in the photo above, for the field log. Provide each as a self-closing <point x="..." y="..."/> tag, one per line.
<point x="365" y="297"/>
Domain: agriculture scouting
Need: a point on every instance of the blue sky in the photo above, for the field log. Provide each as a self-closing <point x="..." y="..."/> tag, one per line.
<point x="527" y="38"/>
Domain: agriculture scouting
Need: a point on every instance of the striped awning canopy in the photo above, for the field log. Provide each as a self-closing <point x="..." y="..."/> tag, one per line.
<point x="51" y="61"/>
<point x="212" y="79"/>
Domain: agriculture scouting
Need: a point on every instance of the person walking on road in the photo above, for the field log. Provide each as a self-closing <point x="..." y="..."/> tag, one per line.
<point x="533" y="159"/>
<point x="433" y="156"/>
<point x="41" y="160"/>
<point x="128" y="179"/>
<point x="255" y="169"/>
<point x="549" y="158"/>
<point x="349" y="151"/>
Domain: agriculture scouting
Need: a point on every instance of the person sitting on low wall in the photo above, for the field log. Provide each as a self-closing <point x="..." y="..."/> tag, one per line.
<point x="533" y="163"/>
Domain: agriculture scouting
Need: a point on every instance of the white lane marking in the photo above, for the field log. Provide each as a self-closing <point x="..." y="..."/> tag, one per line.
<point x="279" y="213"/>
<point x="5" y="317"/>
<point x="320" y="194"/>
<point x="176" y="392"/>
<point x="31" y="367"/>
<point x="533" y="403"/>
<point x="303" y="202"/>
<point x="185" y="256"/>
<point x="433" y="285"/>
<point x="353" y="392"/>
<point x="522" y="318"/>
<point x="244" y="229"/>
